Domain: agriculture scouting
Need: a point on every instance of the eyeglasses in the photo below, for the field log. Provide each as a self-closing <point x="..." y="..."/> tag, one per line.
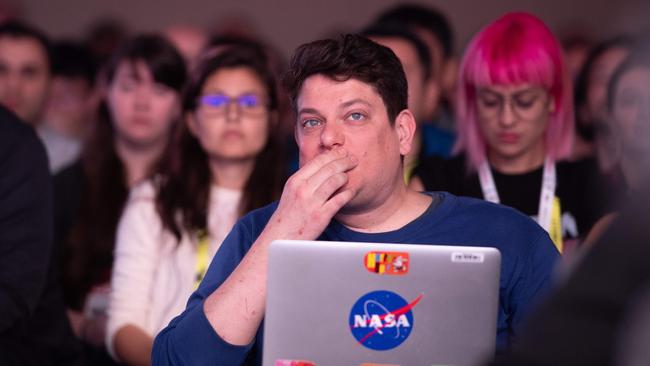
<point x="217" y="105"/>
<point x="527" y="104"/>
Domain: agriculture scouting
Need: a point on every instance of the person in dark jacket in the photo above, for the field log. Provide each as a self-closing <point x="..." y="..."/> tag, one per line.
<point x="34" y="329"/>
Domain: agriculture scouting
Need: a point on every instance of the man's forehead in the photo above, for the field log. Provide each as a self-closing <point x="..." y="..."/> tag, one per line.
<point x="348" y="91"/>
<point x="24" y="41"/>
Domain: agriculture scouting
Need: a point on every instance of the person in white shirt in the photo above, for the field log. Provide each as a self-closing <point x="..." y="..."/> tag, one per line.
<point x="224" y="161"/>
<point x="139" y="106"/>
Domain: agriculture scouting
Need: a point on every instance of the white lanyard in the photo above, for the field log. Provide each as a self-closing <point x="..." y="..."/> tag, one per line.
<point x="546" y="197"/>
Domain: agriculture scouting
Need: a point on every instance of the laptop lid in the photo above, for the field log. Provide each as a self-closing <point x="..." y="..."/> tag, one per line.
<point x="345" y="303"/>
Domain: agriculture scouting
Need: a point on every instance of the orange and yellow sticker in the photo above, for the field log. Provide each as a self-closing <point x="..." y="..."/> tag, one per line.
<point x="390" y="263"/>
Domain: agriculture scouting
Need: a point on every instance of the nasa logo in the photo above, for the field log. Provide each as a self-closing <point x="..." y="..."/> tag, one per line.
<point x="382" y="320"/>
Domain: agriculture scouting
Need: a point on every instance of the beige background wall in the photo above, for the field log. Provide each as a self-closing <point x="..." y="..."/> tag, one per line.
<point x="288" y="23"/>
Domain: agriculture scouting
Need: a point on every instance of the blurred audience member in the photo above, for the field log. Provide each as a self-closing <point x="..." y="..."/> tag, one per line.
<point x="25" y="70"/>
<point x="422" y="89"/>
<point x="286" y="117"/>
<point x="225" y="161"/>
<point x="189" y="40"/>
<point x="71" y="103"/>
<point x="140" y="106"/>
<point x="599" y="316"/>
<point x="432" y="26"/>
<point x="33" y="327"/>
<point x="629" y="107"/>
<point x="628" y="101"/>
<point x="596" y="134"/>
<point x="515" y="123"/>
<point x="26" y="65"/>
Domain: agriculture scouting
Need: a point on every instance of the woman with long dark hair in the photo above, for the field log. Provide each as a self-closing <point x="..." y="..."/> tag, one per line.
<point x="224" y="162"/>
<point x="141" y="103"/>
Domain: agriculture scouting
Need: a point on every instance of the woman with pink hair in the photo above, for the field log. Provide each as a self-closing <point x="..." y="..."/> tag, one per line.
<point x="515" y="126"/>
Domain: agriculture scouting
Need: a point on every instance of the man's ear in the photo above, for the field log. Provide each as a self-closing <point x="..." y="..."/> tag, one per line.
<point x="405" y="127"/>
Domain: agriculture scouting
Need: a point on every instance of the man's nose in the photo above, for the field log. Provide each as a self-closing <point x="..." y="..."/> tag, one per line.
<point x="332" y="135"/>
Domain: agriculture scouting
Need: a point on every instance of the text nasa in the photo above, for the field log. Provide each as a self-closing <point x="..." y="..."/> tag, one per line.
<point x="376" y="321"/>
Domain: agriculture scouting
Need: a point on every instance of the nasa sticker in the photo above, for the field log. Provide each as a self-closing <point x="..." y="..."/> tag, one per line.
<point x="382" y="320"/>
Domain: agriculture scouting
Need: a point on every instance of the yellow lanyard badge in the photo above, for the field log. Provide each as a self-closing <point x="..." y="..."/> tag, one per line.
<point x="201" y="258"/>
<point x="555" y="229"/>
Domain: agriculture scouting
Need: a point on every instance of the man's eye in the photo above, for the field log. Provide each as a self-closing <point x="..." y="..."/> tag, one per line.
<point x="310" y="123"/>
<point x="356" y="116"/>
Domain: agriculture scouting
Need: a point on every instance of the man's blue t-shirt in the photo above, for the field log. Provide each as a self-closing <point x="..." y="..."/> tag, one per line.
<point x="527" y="260"/>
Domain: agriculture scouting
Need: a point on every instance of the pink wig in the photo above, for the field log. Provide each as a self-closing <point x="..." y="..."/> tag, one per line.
<point x="517" y="48"/>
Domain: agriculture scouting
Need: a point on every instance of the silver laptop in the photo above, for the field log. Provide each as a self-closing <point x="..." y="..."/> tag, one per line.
<point x="344" y="303"/>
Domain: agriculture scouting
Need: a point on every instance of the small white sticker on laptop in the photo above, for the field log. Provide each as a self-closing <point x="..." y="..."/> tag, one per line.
<point x="458" y="257"/>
